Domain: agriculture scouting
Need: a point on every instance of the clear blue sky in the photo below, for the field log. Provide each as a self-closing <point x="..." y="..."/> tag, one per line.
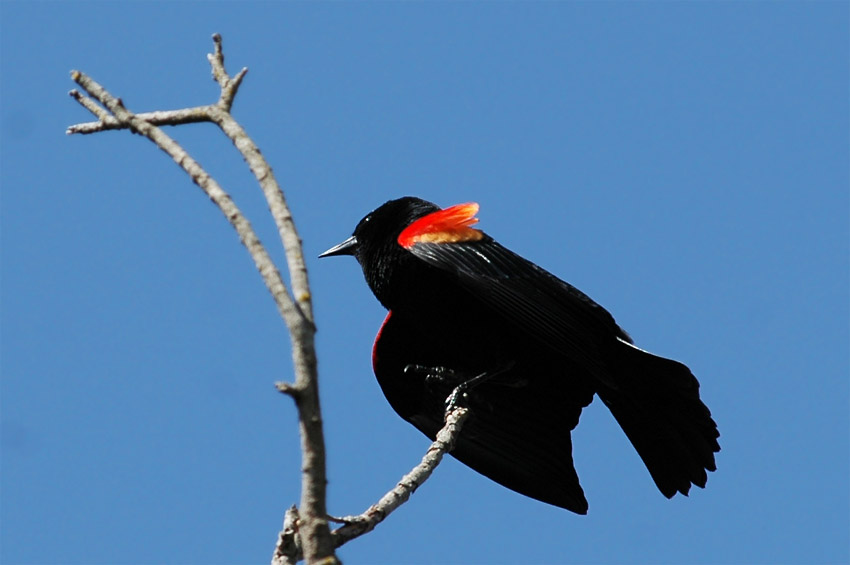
<point x="685" y="164"/>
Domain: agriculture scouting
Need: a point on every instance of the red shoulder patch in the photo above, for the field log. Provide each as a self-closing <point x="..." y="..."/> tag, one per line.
<point x="444" y="226"/>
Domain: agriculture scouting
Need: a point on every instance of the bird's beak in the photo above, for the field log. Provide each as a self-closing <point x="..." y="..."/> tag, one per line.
<point x="347" y="247"/>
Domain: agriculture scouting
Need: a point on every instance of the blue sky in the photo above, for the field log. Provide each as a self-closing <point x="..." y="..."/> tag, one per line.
<point x="685" y="164"/>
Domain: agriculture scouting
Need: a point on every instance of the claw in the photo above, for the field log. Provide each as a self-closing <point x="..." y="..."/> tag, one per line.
<point x="435" y="376"/>
<point x="460" y="391"/>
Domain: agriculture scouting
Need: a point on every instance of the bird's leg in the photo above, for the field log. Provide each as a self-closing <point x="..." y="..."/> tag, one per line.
<point x="461" y="391"/>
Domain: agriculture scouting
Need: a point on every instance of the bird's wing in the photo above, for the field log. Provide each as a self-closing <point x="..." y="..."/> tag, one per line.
<point x="542" y="306"/>
<point x="519" y="448"/>
<point x="519" y="432"/>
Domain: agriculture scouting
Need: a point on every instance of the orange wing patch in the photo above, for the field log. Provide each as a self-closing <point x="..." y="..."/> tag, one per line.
<point x="444" y="226"/>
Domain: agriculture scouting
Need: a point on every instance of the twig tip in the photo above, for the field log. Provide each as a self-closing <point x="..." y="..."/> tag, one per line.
<point x="286" y="388"/>
<point x="217" y="42"/>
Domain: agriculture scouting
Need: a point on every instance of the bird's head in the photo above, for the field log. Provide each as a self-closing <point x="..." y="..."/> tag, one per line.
<point x="374" y="242"/>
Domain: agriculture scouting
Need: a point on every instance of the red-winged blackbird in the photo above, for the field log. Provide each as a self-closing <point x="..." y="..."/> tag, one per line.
<point x="532" y="348"/>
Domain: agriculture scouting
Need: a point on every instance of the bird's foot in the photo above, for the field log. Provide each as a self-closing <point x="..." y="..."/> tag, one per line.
<point x="460" y="394"/>
<point x="438" y="378"/>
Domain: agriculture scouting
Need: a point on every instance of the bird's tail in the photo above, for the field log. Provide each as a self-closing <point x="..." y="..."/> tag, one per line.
<point x="656" y="402"/>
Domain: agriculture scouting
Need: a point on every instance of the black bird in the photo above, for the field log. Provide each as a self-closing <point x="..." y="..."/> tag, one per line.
<point x="533" y="348"/>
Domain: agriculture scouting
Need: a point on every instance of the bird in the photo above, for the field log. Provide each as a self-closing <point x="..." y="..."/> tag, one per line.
<point x="527" y="351"/>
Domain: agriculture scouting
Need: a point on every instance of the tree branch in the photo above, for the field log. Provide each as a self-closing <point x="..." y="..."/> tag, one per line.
<point x="128" y="120"/>
<point x="296" y="312"/>
<point x="287" y="551"/>
<point x="306" y="390"/>
<point x="264" y="175"/>
<point x="356" y="526"/>
<point x="107" y="122"/>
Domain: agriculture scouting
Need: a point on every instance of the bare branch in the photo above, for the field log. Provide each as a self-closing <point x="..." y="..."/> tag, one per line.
<point x="91" y="106"/>
<point x="278" y="207"/>
<point x="313" y="528"/>
<point x="219" y="114"/>
<point x="216" y="59"/>
<point x="249" y="238"/>
<point x="356" y="526"/>
<point x="287" y="551"/>
<point x="160" y="118"/>
<point x="287" y="389"/>
<point x="306" y="389"/>
<point x="229" y="86"/>
<point x="264" y="175"/>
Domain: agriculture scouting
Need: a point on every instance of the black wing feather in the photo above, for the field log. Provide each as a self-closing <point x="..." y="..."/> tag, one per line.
<point x="655" y="400"/>
<point x="543" y="306"/>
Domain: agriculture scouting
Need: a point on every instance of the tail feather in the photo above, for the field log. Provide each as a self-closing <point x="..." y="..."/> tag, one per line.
<point x="656" y="402"/>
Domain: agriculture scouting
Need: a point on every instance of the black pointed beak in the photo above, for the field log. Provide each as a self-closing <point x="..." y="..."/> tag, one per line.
<point x="347" y="247"/>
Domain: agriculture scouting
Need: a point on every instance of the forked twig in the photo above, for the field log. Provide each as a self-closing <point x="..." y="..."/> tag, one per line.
<point x="295" y="308"/>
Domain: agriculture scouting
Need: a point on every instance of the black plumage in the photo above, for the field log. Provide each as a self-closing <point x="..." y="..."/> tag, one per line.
<point x="461" y="305"/>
